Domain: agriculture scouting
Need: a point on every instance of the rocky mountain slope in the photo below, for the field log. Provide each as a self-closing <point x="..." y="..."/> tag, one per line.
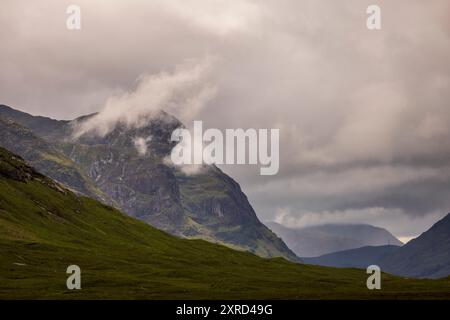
<point x="322" y="239"/>
<point x="209" y="205"/>
<point x="47" y="159"/>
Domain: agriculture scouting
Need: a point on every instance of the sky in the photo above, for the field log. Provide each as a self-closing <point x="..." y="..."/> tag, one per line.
<point x="364" y="116"/>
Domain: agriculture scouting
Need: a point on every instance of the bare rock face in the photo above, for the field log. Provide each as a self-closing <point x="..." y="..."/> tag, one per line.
<point x="208" y="205"/>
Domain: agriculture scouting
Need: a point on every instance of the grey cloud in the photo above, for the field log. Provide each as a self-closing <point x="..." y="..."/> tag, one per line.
<point x="364" y="116"/>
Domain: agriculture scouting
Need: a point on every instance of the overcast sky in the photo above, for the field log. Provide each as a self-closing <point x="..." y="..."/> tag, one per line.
<point x="364" y="116"/>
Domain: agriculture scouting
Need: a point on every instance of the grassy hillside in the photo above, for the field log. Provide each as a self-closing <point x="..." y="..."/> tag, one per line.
<point x="44" y="228"/>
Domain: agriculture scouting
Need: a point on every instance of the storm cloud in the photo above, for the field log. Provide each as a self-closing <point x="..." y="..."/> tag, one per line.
<point x="364" y="116"/>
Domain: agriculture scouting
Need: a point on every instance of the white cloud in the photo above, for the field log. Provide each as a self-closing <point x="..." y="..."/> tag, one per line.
<point x="187" y="169"/>
<point x="182" y="93"/>
<point x="141" y="144"/>
<point x="217" y="16"/>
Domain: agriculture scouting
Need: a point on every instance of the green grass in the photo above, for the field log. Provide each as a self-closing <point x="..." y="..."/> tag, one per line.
<point x="43" y="230"/>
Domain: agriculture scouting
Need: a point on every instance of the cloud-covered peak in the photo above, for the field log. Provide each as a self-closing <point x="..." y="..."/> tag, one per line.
<point x="183" y="92"/>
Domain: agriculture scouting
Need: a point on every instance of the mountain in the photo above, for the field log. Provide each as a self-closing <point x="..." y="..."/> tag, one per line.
<point x="322" y="239"/>
<point x="47" y="159"/>
<point x="44" y="228"/>
<point x="209" y="205"/>
<point x="427" y="256"/>
<point x="41" y="126"/>
<point x="353" y="258"/>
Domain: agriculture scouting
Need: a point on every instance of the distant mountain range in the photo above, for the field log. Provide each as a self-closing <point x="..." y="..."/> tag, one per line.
<point x="353" y="258"/>
<point x="427" y="256"/>
<point x="318" y="240"/>
<point x="209" y="205"/>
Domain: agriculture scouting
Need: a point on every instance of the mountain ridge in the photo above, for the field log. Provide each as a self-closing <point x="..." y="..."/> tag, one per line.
<point x="47" y="159"/>
<point x="314" y="241"/>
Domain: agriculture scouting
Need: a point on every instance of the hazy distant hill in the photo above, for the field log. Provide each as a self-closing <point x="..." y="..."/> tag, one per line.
<point x="427" y="256"/>
<point x="353" y="258"/>
<point x="319" y="240"/>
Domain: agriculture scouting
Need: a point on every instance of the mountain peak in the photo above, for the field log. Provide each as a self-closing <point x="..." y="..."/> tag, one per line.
<point x="209" y="205"/>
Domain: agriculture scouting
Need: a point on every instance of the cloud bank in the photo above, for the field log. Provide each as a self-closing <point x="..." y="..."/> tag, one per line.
<point x="364" y="115"/>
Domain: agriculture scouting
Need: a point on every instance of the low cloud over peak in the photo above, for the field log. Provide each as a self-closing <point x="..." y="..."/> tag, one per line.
<point x="182" y="93"/>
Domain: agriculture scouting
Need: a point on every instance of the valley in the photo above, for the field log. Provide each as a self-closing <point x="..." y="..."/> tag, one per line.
<point x="44" y="228"/>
